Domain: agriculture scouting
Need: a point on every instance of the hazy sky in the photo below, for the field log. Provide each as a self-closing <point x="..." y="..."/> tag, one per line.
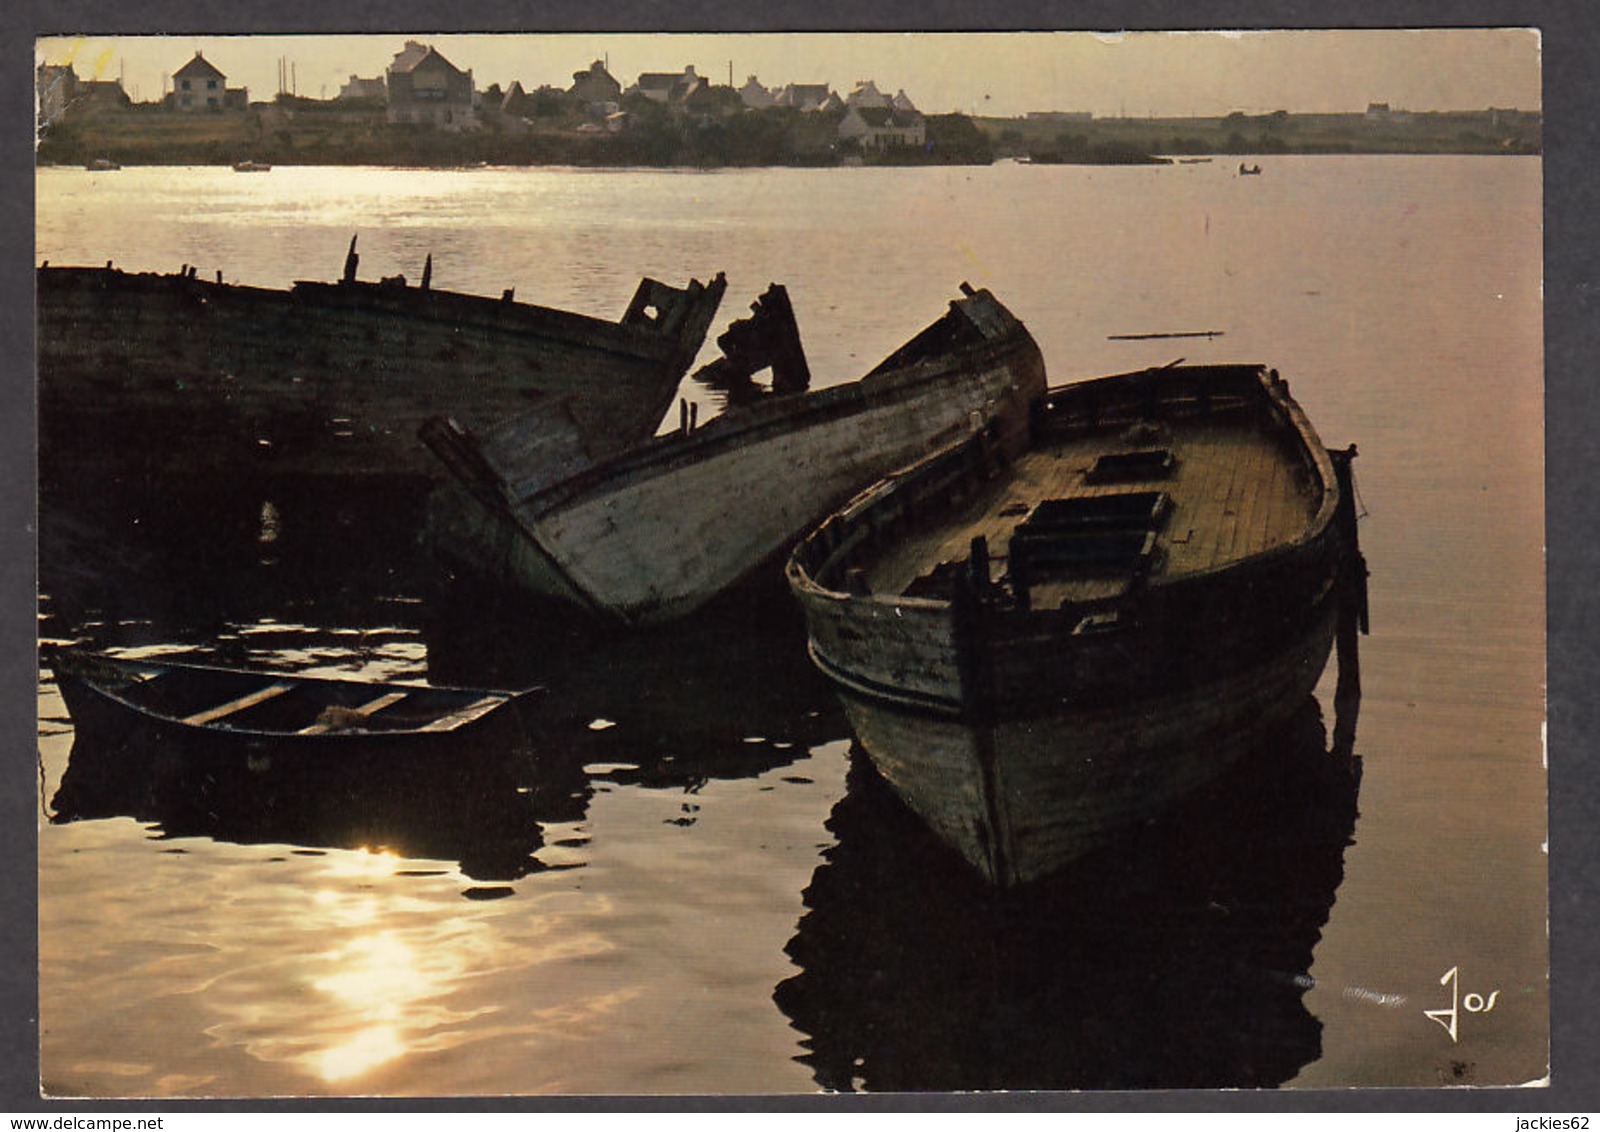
<point x="1008" y="73"/>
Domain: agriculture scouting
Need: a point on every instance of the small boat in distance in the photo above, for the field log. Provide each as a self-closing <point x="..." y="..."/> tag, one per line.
<point x="1040" y="644"/>
<point x="102" y="165"/>
<point x="249" y="712"/>
<point x="174" y="378"/>
<point x="251" y="167"/>
<point x="1249" y="170"/>
<point x="654" y="533"/>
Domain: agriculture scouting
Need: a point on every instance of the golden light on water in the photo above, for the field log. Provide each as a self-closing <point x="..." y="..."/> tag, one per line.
<point x="367" y="1050"/>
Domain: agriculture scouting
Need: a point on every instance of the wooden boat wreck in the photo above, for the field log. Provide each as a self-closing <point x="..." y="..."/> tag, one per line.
<point x="159" y="376"/>
<point x="246" y="713"/>
<point x="1042" y="643"/>
<point x="654" y="533"/>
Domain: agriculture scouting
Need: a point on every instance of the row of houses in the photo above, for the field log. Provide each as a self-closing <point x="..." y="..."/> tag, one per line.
<point x="422" y="87"/>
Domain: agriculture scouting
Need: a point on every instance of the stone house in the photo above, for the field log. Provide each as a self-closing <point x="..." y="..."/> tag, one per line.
<point x="424" y="87"/>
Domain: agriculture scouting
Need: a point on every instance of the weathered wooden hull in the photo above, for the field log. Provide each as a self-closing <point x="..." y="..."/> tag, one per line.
<point x="147" y="376"/>
<point x="1026" y="733"/>
<point x="655" y="533"/>
<point x="1020" y="798"/>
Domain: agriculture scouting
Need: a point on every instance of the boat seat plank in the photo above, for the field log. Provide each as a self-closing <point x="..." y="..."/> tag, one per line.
<point x="464" y="715"/>
<point x="372" y="707"/>
<point x="233" y="707"/>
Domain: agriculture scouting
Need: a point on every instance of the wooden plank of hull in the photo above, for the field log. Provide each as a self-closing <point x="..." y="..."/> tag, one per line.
<point x="1058" y="787"/>
<point x="181" y="375"/>
<point x="671" y="542"/>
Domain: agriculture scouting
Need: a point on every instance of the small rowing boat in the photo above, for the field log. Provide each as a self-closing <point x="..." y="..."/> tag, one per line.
<point x="250" y="711"/>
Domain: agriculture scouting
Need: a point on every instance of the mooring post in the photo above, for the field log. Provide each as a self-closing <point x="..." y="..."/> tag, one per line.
<point x="1352" y="582"/>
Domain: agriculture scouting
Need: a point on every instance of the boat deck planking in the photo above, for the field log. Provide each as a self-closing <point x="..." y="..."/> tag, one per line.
<point x="1231" y="497"/>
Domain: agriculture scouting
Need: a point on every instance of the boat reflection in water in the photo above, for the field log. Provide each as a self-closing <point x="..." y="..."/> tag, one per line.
<point x="1175" y="958"/>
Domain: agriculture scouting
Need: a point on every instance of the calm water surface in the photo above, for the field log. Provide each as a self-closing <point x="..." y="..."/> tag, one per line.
<point x="684" y="881"/>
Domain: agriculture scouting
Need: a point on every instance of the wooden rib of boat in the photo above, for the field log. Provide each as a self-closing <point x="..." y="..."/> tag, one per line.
<point x="656" y="532"/>
<point x="248" y="712"/>
<point x="171" y="376"/>
<point x="1042" y="644"/>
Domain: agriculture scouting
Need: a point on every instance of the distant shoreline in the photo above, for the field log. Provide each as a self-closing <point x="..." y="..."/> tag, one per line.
<point x="325" y="134"/>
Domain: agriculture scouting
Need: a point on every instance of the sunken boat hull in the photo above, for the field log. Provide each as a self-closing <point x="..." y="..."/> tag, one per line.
<point x="1041" y="648"/>
<point x="170" y="377"/>
<point x="657" y="532"/>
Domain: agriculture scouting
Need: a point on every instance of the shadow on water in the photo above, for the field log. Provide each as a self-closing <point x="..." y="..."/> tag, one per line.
<point x="728" y="693"/>
<point x="1177" y="959"/>
<point x="191" y="562"/>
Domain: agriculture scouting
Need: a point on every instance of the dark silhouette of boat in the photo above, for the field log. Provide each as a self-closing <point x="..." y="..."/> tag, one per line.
<point x="179" y="379"/>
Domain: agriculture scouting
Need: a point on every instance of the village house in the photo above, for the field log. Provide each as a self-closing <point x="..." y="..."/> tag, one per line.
<point x="877" y="128"/>
<point x="667" y="88"/>
<point x="807" y="96"/>
<point x="199" y="86"/>
<point x="755" y="96"/>
<point x="424" y="87"/>
<point x="867" y="96"/>
<point x="595" y="86"/>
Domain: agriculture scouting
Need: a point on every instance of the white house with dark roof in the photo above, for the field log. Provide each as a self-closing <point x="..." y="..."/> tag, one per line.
<point x="198" y="86"/>
<point x="883" y="127"/>
<point x="425" y="88"/>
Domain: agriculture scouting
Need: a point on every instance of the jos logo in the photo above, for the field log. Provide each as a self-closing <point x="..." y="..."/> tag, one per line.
<point x="1472" y="1003"/>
